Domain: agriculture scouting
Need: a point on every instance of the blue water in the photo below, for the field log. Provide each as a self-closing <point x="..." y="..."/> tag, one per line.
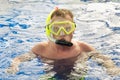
<point x="22" y="25"/>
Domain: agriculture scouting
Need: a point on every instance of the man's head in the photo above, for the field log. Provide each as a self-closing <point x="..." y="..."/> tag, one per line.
<point x="60" y="25"/>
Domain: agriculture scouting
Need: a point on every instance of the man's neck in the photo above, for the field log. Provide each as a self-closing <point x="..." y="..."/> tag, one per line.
<point x="59" y="47"/>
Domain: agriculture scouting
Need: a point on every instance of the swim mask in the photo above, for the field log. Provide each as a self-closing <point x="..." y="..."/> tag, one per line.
<point x="56" y="28"/>
<point x="61" y="28"/>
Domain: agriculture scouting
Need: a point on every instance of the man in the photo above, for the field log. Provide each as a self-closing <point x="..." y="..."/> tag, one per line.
<point x="61" y="50"/>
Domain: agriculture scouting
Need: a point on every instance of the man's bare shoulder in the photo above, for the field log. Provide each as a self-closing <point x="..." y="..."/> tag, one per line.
<point x="85" y="46"/>
<point x="39" y="48"/>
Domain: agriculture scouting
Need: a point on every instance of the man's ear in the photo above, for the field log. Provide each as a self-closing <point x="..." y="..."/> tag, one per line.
<point x="75" y="25"/>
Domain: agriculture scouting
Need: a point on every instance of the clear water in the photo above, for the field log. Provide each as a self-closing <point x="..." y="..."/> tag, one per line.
<point x="22" y="25"/>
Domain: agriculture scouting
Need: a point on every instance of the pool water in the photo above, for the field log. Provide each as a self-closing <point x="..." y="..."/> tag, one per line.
<point x="22" y="25"/>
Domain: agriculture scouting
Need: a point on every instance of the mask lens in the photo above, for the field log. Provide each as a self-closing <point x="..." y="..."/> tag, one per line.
<point x="55" y="28"/>
<point x="68" y="27"/>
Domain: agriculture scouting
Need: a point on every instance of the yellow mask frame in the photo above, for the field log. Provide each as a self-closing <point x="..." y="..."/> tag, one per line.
<point x="69" y="28"/>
